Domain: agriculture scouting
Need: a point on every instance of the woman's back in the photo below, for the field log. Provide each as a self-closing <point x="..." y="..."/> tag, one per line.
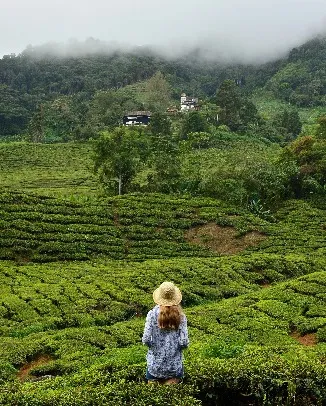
<point x="164" y="357"/>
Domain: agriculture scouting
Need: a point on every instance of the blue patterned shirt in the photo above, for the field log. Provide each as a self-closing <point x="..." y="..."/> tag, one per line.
<point x="164" y="356"/>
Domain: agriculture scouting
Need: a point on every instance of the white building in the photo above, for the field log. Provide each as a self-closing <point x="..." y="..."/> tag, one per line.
<point x="188" y="103"/>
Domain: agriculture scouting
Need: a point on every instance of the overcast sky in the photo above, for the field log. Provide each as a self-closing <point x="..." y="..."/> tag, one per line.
<point x="249" y="29"/>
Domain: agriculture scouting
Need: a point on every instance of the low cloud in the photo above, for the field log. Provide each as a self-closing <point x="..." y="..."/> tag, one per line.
<point x="228" y="30"/>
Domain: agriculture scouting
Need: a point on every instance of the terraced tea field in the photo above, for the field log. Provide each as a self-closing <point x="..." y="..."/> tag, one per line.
<point x="134" y="227"/>
<point x="41" y="229"/>
<point x="85" y="322"/>
<point x="50" y="169"/>
<point x="76" y="281"/>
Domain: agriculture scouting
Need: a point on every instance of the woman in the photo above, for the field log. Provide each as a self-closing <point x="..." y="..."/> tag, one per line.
<point x="166" y="335"/>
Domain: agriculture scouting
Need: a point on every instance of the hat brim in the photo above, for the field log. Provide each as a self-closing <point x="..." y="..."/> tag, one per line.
<point x="158" y="299"/>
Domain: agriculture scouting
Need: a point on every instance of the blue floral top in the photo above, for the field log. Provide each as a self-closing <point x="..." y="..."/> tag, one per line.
<point x="164" y="357"/>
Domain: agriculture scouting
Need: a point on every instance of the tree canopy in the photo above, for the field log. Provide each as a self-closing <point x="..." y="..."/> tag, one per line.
<point x="118" y="155"/>
<point x="34" y="78"/>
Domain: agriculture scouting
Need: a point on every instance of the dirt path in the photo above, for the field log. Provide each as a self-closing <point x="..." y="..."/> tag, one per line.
<point x="308" y="339"/>
<point x="223" y="240"/>
<point x="24" y="371"/>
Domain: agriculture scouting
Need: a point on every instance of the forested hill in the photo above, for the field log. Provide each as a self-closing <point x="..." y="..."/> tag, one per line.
<point x="34" y="77"/>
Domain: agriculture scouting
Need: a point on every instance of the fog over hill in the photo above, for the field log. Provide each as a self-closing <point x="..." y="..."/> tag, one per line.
<point x="229" y="30"/>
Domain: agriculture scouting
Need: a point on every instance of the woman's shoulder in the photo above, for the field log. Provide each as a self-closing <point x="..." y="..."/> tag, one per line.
<point x="154" y="311"/>
<point x="183" y="318"/>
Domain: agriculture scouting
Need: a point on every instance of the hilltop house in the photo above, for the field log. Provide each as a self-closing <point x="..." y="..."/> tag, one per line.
<point x="137" y="118"/>
<point x="188" y="103"/>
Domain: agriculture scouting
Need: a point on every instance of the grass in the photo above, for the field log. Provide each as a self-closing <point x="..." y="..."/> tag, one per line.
<point x="269" y="107"/>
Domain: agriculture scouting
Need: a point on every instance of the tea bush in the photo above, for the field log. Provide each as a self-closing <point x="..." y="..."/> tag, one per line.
<point x="76" y="281"/>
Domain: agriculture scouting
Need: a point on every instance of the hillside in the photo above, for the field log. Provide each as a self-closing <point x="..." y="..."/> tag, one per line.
<point x="48" y="169"/>
<point x="70" y="330"/>
<point x="231" y="210"/>
<point x="44" y="229"/>
<point x="37" y="77"/>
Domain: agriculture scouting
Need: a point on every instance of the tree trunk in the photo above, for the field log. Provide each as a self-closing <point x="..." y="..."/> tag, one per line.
<point x="120" y="185"/>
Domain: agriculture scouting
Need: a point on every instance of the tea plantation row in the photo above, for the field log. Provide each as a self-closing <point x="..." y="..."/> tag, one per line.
<point x="36" y="298"/>
<point x="137" y="227"/>
<point x="52" y="169"/>
<point x="77" y="275"/>
<point x="244" y="350"/>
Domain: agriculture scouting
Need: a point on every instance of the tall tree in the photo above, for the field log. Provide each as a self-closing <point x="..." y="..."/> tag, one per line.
<point x="118" y="155"/>
<point x="236" y="111"/>
<point x="309" y="153"/>
<point x="160" y="124"/>
<point x="13" y="112"/>
<point x="194" y="122"/>
<point x="229" y="99"/>
<point x="56" y="121"/>
<point x="290" y="121"/>
<point x="157" y="93"/>
<point x="36" y="126"/>
<point x="164" y="162"/>
<point x="321" y="129"/>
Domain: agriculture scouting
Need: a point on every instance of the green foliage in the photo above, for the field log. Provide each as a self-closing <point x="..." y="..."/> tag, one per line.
<point x="321" y="129"/>
<point x="14" y="112"/>
<point x="290" y="122"/>
<point x="269" y="130"/>
<point x="7" y="371"/>
<point x="257" y="208"/>
<point x="118" y="393"/>
<point x="118" y="155"/>
<point x="107" y="107"/>
<point x="135" y="227"/>
<point x="165" y="164"/>
<point x="82" y="307"/>
<point x="222" y="350"/>
<point x="157" y="93"/>
<point x="135" y="80"/>
<point x="160" y="125"/>
<point x="239" y="174"/>
<point x="210" y="111"/>
<point x="236" y="111"/>
<point x="309" y="154"/>
<point x="301" y="80"/>
<point x="218" y="164"/>
<point x="284" y="126"/>
<point x="51" y="169"/>
<point x="56" y="121"/>
<point x="240" y="347"/>
<point x="88" y="316"/>
<point x="193" y="122"/>
<point x="228" y="98"/>
<point x="198" y="140"/>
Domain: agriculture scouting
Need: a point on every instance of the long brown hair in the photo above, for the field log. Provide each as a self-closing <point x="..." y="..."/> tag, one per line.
<point x="169" y="317"/>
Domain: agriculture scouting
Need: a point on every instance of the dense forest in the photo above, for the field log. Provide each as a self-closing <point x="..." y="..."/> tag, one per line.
<point x="37" y="87"/>
<point x="51" y="99"/>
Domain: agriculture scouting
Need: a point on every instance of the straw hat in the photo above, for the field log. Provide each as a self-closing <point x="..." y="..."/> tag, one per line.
<point x="167" y="294"/>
